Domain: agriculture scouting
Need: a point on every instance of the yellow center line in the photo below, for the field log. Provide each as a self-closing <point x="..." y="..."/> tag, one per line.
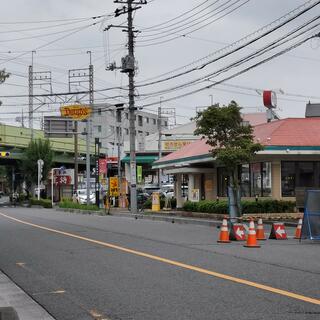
<point x="176" y="263"/>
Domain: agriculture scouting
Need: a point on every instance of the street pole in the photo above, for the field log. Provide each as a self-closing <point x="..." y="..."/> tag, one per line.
<point x="133" y="165"/>
<point x="88" y="129"/>
<point x="75" y="155"/>
<point x="128" y="66"/>
<point x="119" y="169"/>
<point x="118" y="118"/>
<point x="159" y="142"/>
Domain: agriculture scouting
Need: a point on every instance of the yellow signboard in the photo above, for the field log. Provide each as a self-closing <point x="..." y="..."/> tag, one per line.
<point x="114" y="190"/>
<point x="76" y="112"/>
<point x="175" y="145"/>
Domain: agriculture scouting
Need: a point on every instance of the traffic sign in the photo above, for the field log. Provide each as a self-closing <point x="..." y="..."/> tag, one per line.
<point x="278" y="231"/>
<point x="237" y="232"/>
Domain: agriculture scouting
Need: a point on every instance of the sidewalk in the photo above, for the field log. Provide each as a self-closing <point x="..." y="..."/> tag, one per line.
<point x="12" y="296"/>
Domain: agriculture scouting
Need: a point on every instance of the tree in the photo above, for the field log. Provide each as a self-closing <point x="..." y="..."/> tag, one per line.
<point x="3" y="76"/>
<point x="232" y="144"/>
<point x="37" y="149"/>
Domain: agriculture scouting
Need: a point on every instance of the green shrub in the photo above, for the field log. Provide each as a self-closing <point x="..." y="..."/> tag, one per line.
<point x="68" y="204"/>
<point x="42" y="202"/>
<point x="261" y="206"/>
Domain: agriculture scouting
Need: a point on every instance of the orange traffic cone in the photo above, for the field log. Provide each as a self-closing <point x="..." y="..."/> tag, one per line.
<point x="260" y="230"/>
<point x="224" y="232"/>
<point x="298" y="230"/>
<point x="252" y="239"/>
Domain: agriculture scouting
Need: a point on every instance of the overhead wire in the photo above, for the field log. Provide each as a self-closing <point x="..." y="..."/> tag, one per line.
<point x="194" y="30"/>
<point x="238" y="42"/>
<point x="274" y="44"/>
<point x="235" y="74"/>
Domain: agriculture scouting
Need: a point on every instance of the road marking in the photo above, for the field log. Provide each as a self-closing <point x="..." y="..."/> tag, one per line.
<point x="176" y="263"/>
<point x="49" y="292"/>
<point x="21" y="264"/>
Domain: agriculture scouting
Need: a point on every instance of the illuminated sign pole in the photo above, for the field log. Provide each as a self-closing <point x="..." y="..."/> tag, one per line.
<point x="81" y="112"/>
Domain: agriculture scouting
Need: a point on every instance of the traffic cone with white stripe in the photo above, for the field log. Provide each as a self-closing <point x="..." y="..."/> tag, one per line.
<point x="252" y="239"/>
<point x="224" y="232"/>
<point x="297" y="234"/>
<point x="260" y="230"/>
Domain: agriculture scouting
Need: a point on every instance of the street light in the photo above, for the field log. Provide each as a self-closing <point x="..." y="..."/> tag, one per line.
<point x="52" y="170"/>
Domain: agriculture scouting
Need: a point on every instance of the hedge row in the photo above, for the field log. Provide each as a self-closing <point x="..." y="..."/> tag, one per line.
<point x="261" y="206"/>
<point x="42" y="202"/>
<point x="69" y="204"/>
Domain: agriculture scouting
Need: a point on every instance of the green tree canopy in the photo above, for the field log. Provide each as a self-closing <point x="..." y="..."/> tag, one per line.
<point x="37" y="149"/>
<point x="231" y="139"/>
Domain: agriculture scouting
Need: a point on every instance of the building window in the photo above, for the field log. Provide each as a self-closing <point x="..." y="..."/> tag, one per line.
<point x="266" y="179"/>
<point x="99" y="111"/>
<point x="147" y="133"/>
<point x="140" y="121"/>
<point x="140" y="133"/>
<point x="154" y="121"/>
<point x="298" y="174"/>
<point x="166" y="123"/>
<point x="245" y="180"/>
<point x="119" y="131"/>
<point x="99" y="129"/>
<point x="223" y="181"/>
<point x="118" y="113"/>
<point x="256" y="179"/>
<point x="147" y="120"/>
<point x="127" y="115"/>
<point x="305" y="172"/>
<point x="126" y="130"/>
<point x="288" y="179"/>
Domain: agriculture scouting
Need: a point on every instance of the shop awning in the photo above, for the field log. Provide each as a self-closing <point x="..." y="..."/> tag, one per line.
<point x="141" y="159"/>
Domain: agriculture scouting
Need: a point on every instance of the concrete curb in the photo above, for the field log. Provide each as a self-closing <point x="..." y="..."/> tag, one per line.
<point x="164" y="218"/>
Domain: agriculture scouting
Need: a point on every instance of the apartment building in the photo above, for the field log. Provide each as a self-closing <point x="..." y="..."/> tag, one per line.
<point x="110" y="126"/>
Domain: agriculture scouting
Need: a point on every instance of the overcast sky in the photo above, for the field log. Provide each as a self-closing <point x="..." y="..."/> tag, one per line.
<point x="33" y="24"/>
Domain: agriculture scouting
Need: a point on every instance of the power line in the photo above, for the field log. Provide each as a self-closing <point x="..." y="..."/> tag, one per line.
<point x="238" y="42"/>
<point x="194" y="30"/>
<point x="236" y="74"/>
<point x="274" y="44"/>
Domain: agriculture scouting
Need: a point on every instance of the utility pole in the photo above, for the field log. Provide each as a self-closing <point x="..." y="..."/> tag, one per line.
<point x="119" y="108"/>
<point x="75" y="128"/>
<point x="128" y="66"/>
<point x="30" y="78"/>
<point x="159" y="142"/>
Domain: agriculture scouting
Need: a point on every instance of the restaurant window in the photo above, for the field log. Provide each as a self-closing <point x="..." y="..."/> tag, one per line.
<point x="245" y="180"/>
<point x="266" y="179"/>
<point x="305" y="171"/>
<point x="288" y="178"/>
<point x="256" y="179"/>
<point x="223" y="180"/>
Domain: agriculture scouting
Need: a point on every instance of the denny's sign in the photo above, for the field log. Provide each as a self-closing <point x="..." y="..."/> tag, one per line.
<point x="76" y="112"/>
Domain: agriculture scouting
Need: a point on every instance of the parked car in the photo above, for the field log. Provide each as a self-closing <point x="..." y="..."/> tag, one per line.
<point x="81" y="196"/>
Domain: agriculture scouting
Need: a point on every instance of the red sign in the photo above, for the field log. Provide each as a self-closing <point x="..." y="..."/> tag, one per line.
<point x="103" y="166"/>
<point x="278" y="231"/>
<point x="237" y="232"/>
<point x="269" y="99"/>
<point x="112" y="159"/>
<point x="62" y="180"/>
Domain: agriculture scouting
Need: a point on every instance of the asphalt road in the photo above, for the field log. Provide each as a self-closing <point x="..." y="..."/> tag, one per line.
<point x="92" y="267"/>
